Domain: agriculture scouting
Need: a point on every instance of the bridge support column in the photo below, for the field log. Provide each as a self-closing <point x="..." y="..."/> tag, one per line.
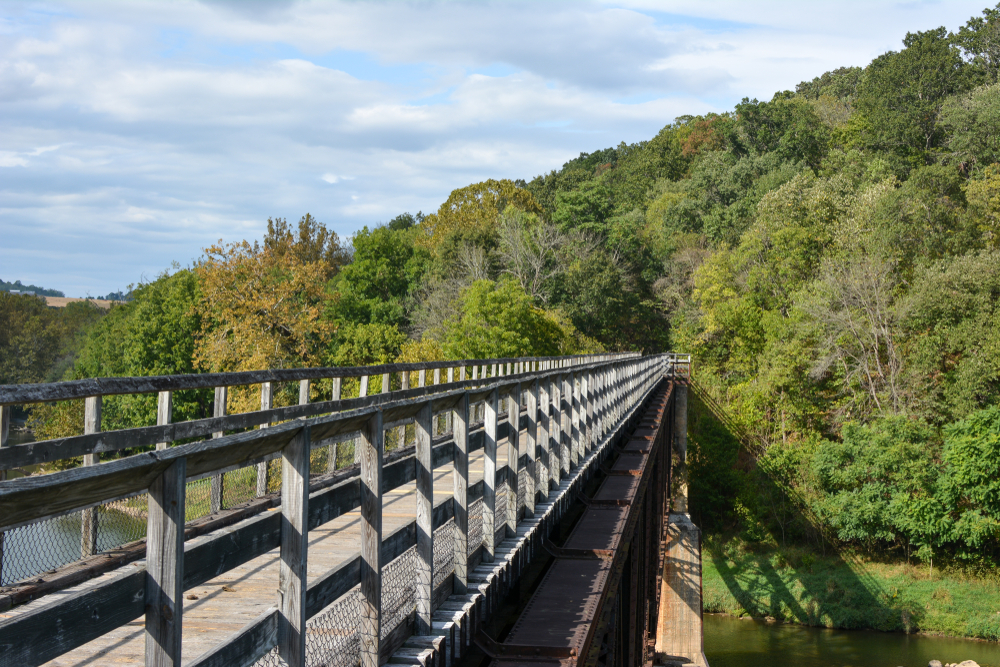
<point x="679" y="628"/>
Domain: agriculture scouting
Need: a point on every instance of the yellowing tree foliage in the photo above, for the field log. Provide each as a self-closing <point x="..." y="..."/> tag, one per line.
<point x="475" y="208"/>
<point x="261" y="307"/>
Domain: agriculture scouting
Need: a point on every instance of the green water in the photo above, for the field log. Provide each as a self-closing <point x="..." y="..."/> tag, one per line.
<point x="731" y="642"/>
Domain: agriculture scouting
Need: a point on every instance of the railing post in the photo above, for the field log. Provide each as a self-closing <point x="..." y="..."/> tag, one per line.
<point x="460" y="491"/>
<point x="331" y="450"/>
<point x="292" y="567"/>
<point x="165" y="566"/>
<point x="491" y="408"/>
<point x="266" y="403"/>
<point x="573" y="399"/>
<point x="534" y="475"/>
<point x="545" y="435"/>
<point x="363" y="386"/>
<point x="221" y="396"/>
<point x="164" y="412"/>
<point x="513" y="455"/>
<point x="587" y="410"/>
<point x="372" y="450"/>
<point x="559" y="430"/>
<point x="424" y="588"/>
<point x="88" y="524"/>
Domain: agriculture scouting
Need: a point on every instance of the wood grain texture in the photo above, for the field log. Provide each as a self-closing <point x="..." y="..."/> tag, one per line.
<point x="165" y="567"/>
<point x="266" y="403"/>
<point x="164" y="412"/>
<point x="292" y="570"/>
<point x="513" y="456"/>
<point x="491" y="410"/>
<point x="88" y="523"/>
<point x="219" y="409"/>
<point x="544" y="439"/>
<point x="460" y="492"/>
<point x="245" y="647"/>
<point x="531" y="444"/>
<point x="371" y="446"/>
<point x="555" y="430"/>
<point x="425" y="520"/>
<point x="61" y="391"/>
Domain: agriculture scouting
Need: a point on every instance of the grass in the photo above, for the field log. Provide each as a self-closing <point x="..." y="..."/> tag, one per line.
<point x="796" y="585"/>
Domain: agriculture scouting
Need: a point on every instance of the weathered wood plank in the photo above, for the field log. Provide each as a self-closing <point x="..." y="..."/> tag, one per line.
<point x="88" y="523"/>
<point x="165" y="567"/>
<point x="246" y="647"/>
<point x="425" y="519"/>
<point x="531" y="440"/>
<point x="371" y="444"/>
<point x="164" y="412"/>
<point x="492" y="408"/>
<point x="292" y="570"/>
<point x="513" y="459"/>
<point x="74" y="389"/>
<point x="219" y="409"/>
<point x="460" y="493"/>
<point x="266" y="403"/>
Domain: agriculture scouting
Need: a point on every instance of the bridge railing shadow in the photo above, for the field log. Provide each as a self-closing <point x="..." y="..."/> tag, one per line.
<point x="792" y="569"/>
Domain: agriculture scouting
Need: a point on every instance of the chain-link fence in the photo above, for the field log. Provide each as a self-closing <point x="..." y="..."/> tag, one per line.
<point x="333" y="636"/>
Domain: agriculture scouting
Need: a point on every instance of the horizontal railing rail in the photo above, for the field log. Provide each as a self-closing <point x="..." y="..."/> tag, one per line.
<point x="569" y="404"/>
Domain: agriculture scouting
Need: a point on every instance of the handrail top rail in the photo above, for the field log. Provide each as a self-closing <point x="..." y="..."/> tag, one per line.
<point x="14" y="394"/>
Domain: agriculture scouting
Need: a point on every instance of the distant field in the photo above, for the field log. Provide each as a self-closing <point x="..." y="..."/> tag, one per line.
<point x="62" y="301"/>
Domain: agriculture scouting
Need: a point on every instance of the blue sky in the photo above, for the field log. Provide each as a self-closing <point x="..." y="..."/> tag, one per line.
<point x="133" y="135"/>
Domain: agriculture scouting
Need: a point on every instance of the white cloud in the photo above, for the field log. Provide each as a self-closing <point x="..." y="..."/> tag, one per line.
<point x="142" y="132"/>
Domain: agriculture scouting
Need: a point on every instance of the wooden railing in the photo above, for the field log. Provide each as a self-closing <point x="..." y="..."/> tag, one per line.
<point x="569" y="405"/>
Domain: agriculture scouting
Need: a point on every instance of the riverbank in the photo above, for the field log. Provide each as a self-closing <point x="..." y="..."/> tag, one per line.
<point x="795" y="585"/>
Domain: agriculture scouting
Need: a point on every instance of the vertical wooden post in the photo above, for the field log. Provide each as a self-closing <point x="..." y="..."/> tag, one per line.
<point x="331" y="450"/>
<point x="558" y="432"/>
<point x="363" y="386"/>
<point x="292" y="568"/>
<point x="573" y="400"/>
<point x="266" y="403"/>
<point x="404" y="381"/>
<point x="513" y="456"/>
<point x="491" y="408"/>
<point x="372" y="450"/>
<point x="164" y="412"/>
<point x="91" y="424"/>
<point x="460" y="491"/>
<point x="545" y="434"/>
<point x="221" y="398"/>
<point x="448" y="414"/>
<point x="424" y="588"/>
<point x="304" y="392"/>
<point x="461" y="374"/>
<point x="385" y="383"/>
<point x="534" y="475"/>
<point x="588" y="408"/>
<point x="165" y="566"/>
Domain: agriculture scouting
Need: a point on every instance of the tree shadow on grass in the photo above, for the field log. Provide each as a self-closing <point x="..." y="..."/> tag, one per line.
<point x="775" y="572"/>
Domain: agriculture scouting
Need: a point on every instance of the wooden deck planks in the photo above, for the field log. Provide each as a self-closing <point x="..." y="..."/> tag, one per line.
<point x="227" y="603"/>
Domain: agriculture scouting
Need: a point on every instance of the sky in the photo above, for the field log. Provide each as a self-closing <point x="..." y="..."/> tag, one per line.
<point x="135" y="134"/>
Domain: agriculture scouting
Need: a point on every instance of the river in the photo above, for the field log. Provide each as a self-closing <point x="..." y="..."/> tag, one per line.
<point x="730" y="642"/>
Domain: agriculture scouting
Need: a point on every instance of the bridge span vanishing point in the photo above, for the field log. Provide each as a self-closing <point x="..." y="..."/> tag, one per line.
<point x="498" y="511"/>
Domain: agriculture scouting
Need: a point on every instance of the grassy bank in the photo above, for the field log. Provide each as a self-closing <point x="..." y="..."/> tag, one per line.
<point x="798" y="586"/>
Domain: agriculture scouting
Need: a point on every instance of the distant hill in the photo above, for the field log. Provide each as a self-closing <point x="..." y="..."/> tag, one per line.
<point x="16" y="286"/>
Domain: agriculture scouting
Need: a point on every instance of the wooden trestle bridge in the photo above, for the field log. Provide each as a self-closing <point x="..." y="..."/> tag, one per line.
<point x="510" y="511"/>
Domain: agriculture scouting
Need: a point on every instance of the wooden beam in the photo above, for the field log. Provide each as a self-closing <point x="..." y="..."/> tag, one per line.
<point x="460" y="493"/>
<point x="558" y="467"/>
<point x="219" y="410"/>
<point x="532" y="446"/>
<point x="164" y="412"/>
<point x="425" y="519"/>
<point x="88" y="523"/>
<point x="331" y="452"/>
<point x="513" y="455"/>
<point x="165" y="567"/>
<point x="371" y="445"/>
<point x="491" y="408"/>
<point x="266" y="403"/>
<point x="292" y="570"/>
<point x="544" y="438"/>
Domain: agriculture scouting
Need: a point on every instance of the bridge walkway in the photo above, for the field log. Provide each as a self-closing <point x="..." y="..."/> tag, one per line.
<point x="230" y="601"/>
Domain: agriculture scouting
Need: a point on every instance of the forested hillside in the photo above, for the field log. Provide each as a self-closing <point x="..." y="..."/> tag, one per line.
<point x="831" y="258"/>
